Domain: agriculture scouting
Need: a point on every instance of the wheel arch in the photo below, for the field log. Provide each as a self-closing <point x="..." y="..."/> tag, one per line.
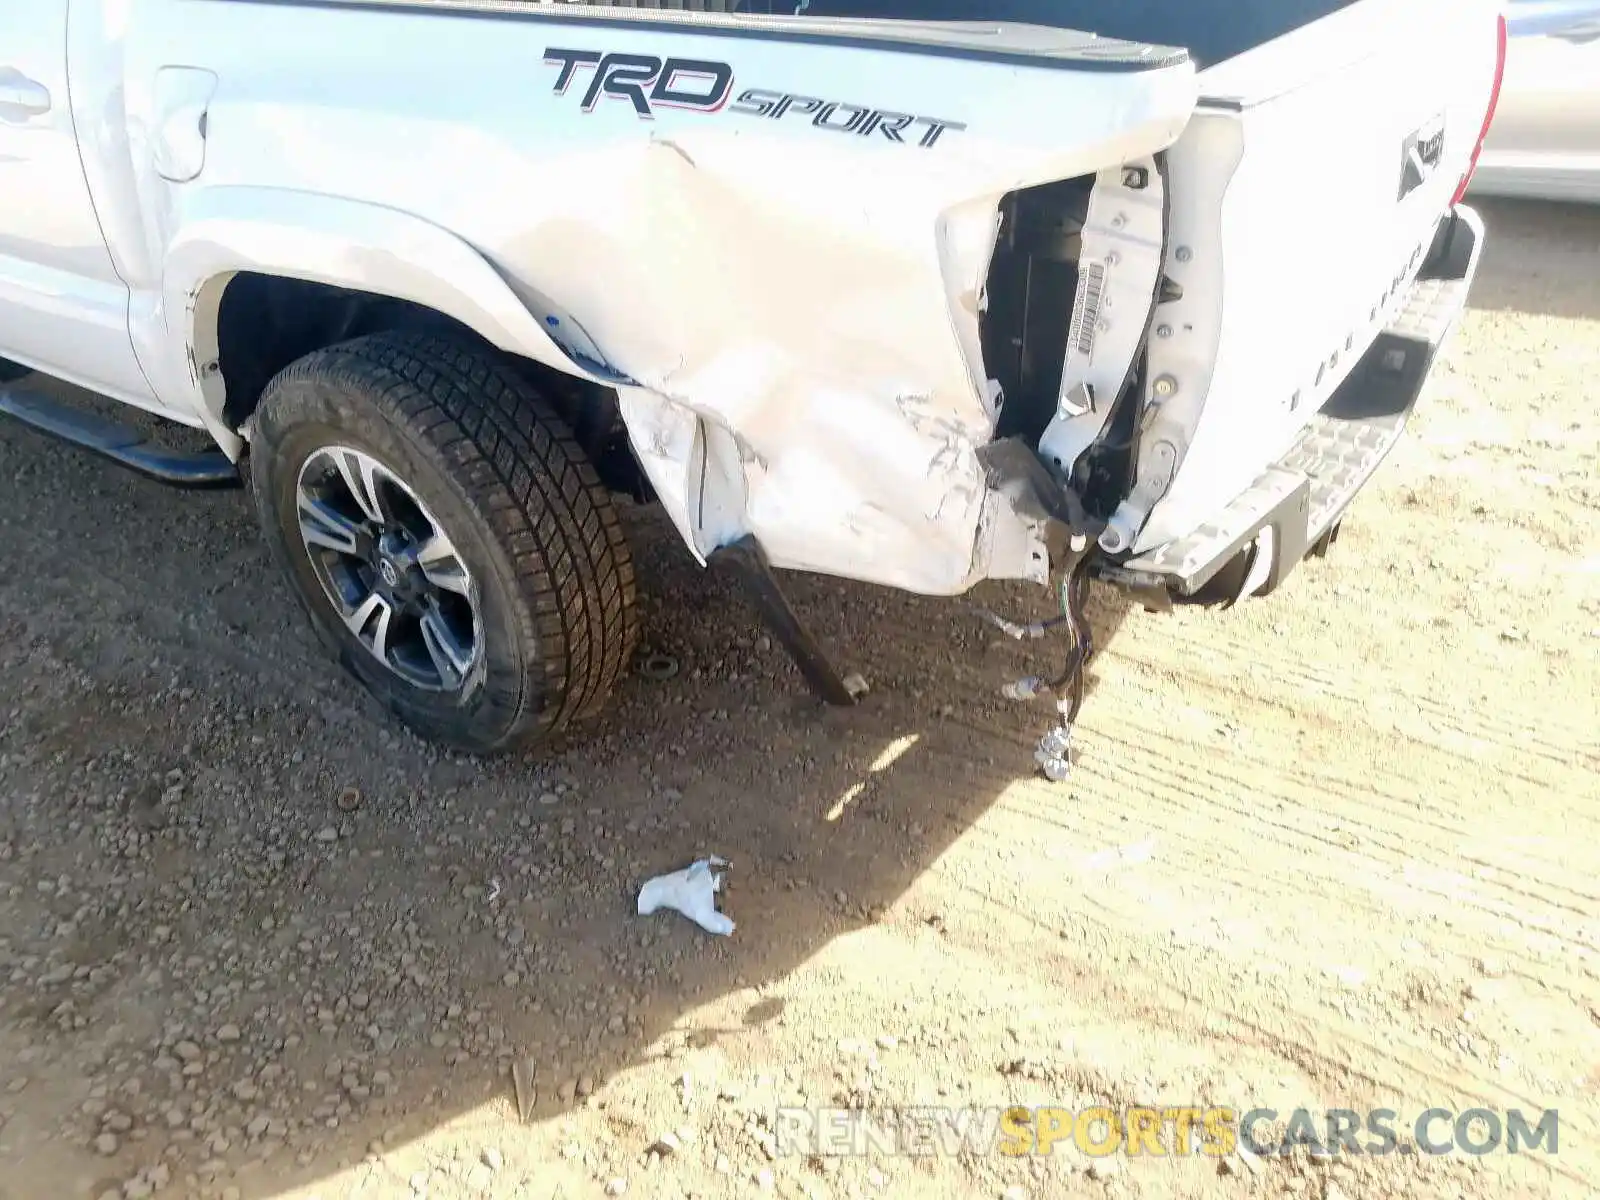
<point x="361" y="249"/>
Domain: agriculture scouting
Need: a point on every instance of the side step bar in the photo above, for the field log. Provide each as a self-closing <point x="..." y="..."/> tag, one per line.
<point x="122" y="444"/>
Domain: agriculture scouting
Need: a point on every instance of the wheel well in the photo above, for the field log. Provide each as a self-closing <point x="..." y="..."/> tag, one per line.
<point x="266" y="322"/>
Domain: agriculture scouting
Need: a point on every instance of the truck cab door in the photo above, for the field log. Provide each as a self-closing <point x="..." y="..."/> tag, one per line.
<point x="63" y="309"/>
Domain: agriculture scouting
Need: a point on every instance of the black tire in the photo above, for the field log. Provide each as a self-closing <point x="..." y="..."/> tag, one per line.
<point x="523" y="508"/>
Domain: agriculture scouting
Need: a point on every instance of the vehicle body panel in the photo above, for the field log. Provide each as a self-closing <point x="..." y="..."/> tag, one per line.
<point x="783" y="275"/>
<point x="61" y="301"/>
<point x="790" y="311"/>
<point x="1294" y="243"/>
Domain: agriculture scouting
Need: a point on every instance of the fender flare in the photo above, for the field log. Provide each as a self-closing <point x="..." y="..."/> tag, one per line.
<point x="349" y="244"/>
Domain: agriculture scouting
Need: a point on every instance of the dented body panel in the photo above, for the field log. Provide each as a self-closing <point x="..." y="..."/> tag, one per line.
<point x="824" y="265"/>
<point x="773" y="247"/>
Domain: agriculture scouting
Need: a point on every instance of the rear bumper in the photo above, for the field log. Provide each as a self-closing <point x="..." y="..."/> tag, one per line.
<point x="1296" y="504"/>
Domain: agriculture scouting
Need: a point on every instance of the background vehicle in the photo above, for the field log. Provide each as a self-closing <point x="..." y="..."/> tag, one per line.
<point x="861" y="292"/>
<point x="1545" y="140"/>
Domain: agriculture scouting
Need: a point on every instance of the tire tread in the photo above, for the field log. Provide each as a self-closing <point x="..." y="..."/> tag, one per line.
<point x="522" y="469"/>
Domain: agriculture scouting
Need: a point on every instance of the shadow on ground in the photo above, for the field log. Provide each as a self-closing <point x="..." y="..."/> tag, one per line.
<point x="1540" y="262"/>
<point x="263" y="986"/>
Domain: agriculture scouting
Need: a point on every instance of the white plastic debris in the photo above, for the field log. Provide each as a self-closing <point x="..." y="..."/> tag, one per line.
<point x="692" y="892"/>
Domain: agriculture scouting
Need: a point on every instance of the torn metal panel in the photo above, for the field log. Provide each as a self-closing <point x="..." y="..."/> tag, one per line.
<point x="837" y="419"/>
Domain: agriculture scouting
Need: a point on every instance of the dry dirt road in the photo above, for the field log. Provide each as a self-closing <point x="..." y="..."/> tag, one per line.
<point x="1338" y="848"/>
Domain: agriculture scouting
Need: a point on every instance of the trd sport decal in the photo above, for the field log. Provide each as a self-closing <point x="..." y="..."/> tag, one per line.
<point x="700" y="85"/>
<point x="840" y="116"/>
<point x="674" y="82"/>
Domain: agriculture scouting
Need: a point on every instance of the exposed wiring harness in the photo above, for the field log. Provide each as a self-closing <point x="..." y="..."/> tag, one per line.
<point x="1054" y="752"/>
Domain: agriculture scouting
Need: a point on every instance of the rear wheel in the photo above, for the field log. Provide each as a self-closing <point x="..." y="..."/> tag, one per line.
<point x="447" y="537"/>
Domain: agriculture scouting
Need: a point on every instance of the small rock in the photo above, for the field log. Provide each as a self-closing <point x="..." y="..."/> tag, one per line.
<point x="492" y="1158"/>
<point x="887" y="1041"/>
<point x="187" y="1051"/>
<point x="229" y="1033"/>
<point x="617" y="1186"/>
<point x="522" y="1078"/>
<point x="765" y="1180"/>
<point x="327" y="834"/>
<point x="479" y="1178"/>
<point x="1103" y="1168"/>
<point x="549" y="799"/>
<point x="1015" y="1192"/>
<point x="666" y="1145"/>
<point x="107" y="1144"/>
<point x="1491" y="968"/>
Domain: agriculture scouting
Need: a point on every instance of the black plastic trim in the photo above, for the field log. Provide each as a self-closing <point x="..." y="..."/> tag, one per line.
<point x="897" y="36"/>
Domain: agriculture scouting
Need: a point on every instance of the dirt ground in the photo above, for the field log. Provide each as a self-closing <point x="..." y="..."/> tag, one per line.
<point x="1333" y="849"/>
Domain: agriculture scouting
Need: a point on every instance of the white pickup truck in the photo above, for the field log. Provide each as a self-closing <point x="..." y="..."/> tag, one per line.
<point x="917" y="292"/>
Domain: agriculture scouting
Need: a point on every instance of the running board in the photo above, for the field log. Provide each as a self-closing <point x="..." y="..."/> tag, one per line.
<point x="122" y="444"/>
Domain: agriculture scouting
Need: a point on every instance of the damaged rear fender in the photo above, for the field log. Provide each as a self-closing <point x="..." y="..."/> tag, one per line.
<point x="817" y="381"/>
<point x="348" y="244"/>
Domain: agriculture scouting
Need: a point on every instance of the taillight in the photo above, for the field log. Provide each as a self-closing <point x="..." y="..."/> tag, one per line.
<point x="1488" y="116"/>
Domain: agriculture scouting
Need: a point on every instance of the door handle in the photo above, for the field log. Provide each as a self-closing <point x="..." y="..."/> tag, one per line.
<point x="21" y="96"/>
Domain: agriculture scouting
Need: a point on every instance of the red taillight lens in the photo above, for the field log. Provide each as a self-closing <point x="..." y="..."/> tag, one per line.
<point x="1488" y="116"/>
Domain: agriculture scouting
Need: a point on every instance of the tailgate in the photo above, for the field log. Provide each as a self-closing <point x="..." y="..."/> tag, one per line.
<point x="1309" y="189"/>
